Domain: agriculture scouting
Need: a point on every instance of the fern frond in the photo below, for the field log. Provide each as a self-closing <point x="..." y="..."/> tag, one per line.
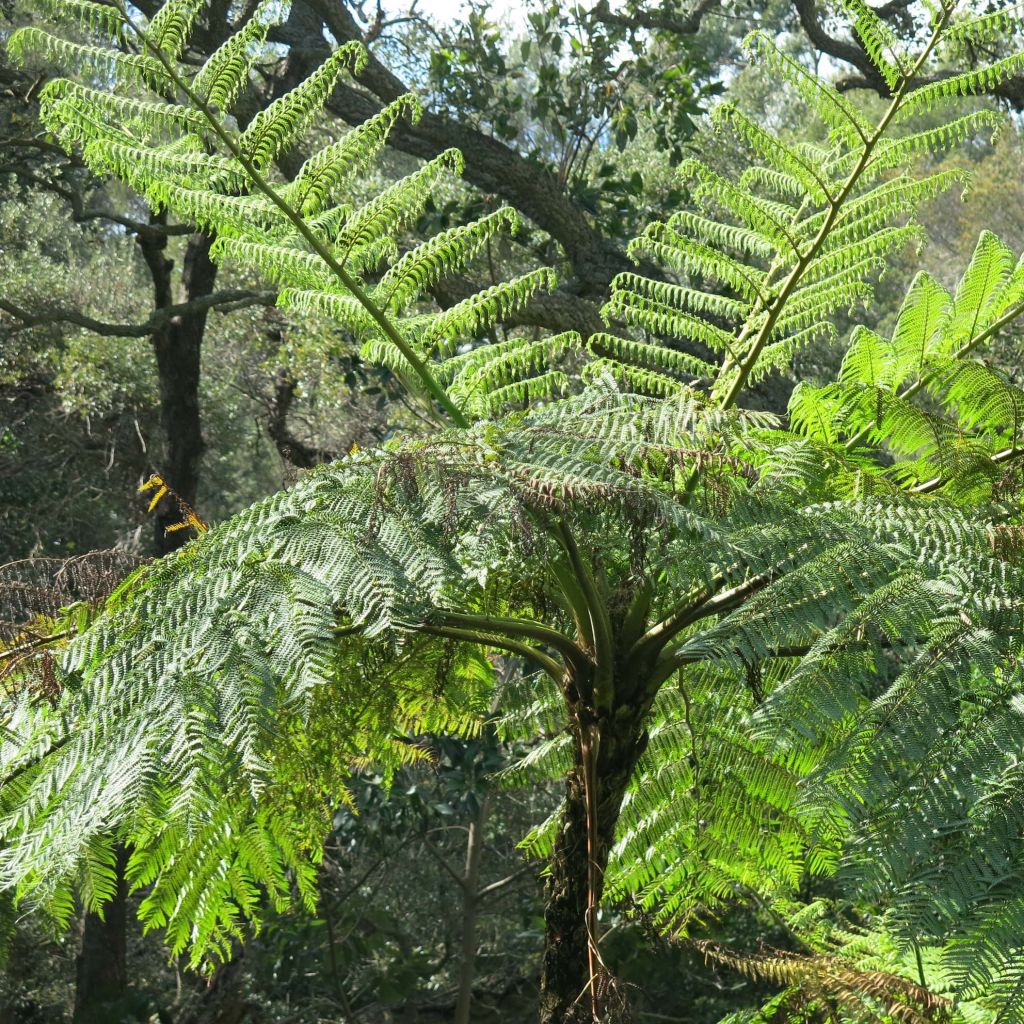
<point x="71" y="110"/>
<point x="778" y="355"/>
<point x="224" y="74"/>
<point x="967" y="83"/>
<point x="279" y="263"/>
<point x="897" y="152"/>
<point x="227" y="216"/>
<point x="86" y="14"/>
<point x="991" y="27"/>
<point x="922" y="319"/>
<point x="779" y="157"/>
<point x="391" y="210"/>
<point x="440" y="256"/>
<point x="977" y="299"/>
<point x="639" y="311"/>
<point x="692" y="257"/>
<point x="529" y="392"/>
<point x="479" y="311"/>
<point x="475" y="377"/>
<point x="343" y="308"/>
<point x="172" y="25"/>
<point x="706" y="303"/>
<point x="644" y="356"/>
<point x="153" y="171"/>
<point x="324" y="172"/>
<point x="633" y="378"/>
<point x="834" y="111"/>
<point x="879" y="41"/>
<point x="866" y="252"/>
<point x="102" y="62"/>
<point x="767" y="220"/>
<point x="277" y="127"/>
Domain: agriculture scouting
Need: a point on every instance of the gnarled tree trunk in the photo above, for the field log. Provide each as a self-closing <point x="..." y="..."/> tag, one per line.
<point x="178" y="350"/>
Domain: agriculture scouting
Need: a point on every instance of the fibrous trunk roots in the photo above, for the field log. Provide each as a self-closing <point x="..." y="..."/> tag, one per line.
<point x="576" y="987"/>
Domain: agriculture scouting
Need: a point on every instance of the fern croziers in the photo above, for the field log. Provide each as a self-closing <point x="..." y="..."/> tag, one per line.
<point x="737" y="620"/>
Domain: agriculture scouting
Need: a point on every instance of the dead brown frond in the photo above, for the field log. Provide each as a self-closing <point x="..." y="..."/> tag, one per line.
<point x="189" y="518"/>
<point x="833" y="985"/>
<point x="33" y="594"/>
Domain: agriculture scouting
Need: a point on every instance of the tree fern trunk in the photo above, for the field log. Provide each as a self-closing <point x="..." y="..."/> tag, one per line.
<point x="566" y="995"/>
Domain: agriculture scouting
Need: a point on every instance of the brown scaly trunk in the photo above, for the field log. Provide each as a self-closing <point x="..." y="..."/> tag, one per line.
<point x="101" y="972"/>
<point x="566" y="993"/>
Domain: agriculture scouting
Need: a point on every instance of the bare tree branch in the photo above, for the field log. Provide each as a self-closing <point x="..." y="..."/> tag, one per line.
<point x="868" y="76"/>
<point x="223" y="301"/>
<point x="291" y="448"/>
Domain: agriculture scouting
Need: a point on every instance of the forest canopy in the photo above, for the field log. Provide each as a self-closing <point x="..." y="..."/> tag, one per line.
<point x="511" y="518"/>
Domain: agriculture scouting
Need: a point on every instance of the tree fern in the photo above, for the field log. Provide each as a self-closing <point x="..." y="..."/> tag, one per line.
<point x="812" y="589"/>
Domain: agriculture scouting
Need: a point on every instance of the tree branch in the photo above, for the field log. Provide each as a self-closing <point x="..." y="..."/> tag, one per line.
<point x="868" y="76"/>
<point x="841" y="49"/>
<point x="502" y="882"/>
<point x="290" y="448"/>
<point x="224" y="301"/>
<point x="432" y="848"/>
<point x="677" y="23"/>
